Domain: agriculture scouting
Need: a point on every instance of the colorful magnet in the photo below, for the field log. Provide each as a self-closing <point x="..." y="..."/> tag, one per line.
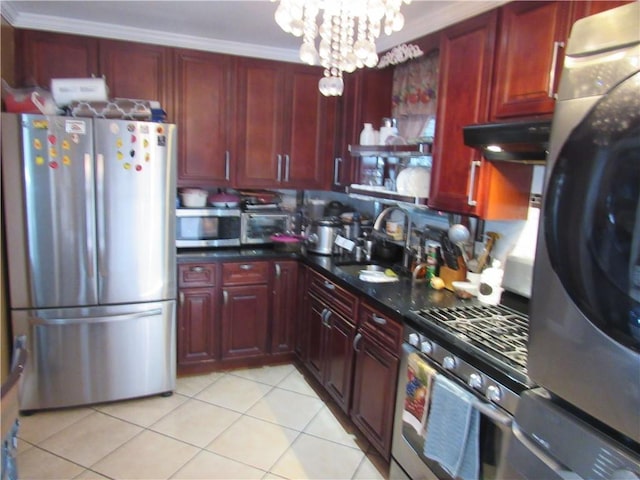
<point x="119" y="155"/>
<point x="133" y="139"/>
<point x="39" y="160"/>
<point x="66" y="160"/>
<point x="66" y="145"/>
<point x="75" y="138"/>
<point x="52" y="139"/>
<point x="53" y="164"/>
<point x="119" y="143"/>
<point x="53" y="152"/>
<point x="37" y="144"/>
<point x="147" y="157"/>
<point x="138" y="168"/>
<point x="41" y="124"/>
<point x="127" y="166"/>
<point x="144" y="128"/>
<point x="131" y="127"/>
<point x="160" y="130"/>
<point x="114" y="128"/>
<point x="145" y="143"/>
<point x="132" y="153"/>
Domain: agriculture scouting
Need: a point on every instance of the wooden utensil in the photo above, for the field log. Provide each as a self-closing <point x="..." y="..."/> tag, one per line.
<point x="492" y="237"/>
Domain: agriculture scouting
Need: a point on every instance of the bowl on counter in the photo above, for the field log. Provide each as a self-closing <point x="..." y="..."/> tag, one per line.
<point x="464" y="290"/>
<point x="224" y="200"/>
<point x="287" y="243"/>
<point x="193" y="197"/>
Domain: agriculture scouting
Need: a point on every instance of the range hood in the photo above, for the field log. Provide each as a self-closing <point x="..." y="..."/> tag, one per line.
<point x="518" y="141"/>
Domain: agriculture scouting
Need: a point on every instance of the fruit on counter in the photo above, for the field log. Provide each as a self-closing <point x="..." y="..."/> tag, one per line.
<point x="390" y="273"/>
<point x="437" y="283"/>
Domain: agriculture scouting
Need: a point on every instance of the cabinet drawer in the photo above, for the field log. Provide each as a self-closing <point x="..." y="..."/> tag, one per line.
<point x="384" y="329"/>
<point x="336" y="297"/>
<point x="196" y="274"/>
<point x="245" y="273"/>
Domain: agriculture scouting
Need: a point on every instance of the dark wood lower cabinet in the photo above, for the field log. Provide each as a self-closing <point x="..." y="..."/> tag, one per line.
<point x="285" y="302"/>
<point x="245" y="321"/>
<point x="376" y="374"/>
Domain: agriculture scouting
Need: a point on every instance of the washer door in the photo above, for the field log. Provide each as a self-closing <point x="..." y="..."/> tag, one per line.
<point x="592" y="214"/>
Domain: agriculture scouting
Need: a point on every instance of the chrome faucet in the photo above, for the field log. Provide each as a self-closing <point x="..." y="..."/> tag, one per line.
<point x="406" y="256"/>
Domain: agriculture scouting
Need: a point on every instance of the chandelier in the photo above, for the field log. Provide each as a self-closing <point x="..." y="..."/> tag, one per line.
<point x="347" y="33"/>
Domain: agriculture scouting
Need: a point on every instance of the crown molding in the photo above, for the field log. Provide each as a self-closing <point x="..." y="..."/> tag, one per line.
<point x="142" y="35"/>
<point x="429" y="22"/>
<point x="432" y="21"/>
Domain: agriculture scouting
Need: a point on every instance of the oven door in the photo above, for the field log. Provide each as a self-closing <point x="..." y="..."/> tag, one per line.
<point x="410" y="432"/>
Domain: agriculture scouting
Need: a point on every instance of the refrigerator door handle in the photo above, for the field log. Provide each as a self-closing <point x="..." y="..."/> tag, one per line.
<point x="96" y="319"/>
<point x="101" y="212"/>
<point x="90" y="216"/>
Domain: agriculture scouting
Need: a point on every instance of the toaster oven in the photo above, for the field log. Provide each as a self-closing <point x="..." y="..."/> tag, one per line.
<point x="258" y="227"/>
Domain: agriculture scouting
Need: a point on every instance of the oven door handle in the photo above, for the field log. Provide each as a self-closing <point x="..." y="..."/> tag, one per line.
<point x="494" y="414"/>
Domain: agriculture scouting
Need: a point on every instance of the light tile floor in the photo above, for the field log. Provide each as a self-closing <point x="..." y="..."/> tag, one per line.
<point x="262" y="423"/>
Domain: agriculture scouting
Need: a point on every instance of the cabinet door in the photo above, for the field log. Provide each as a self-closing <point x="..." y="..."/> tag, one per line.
<point x="309" y="132"/>
<point x="366" y="98"/>
<point x="339" y="358"/>
<point x="204" y="114"/>
<point x="374" y="387"/>
<point x="315" y="332"/>
<point x="466" y="57"/>
<point x="260" y="123"/>
<point x="529" y="57"/>
<point x="244" y="321"/>
<point x="136" y="70"/>
<point x="285" y="306"/>
<point x="196" y="327"/>
<point x="42" y="56"/>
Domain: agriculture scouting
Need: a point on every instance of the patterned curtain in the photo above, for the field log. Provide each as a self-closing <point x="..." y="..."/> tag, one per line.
<point x="415" y="89"/>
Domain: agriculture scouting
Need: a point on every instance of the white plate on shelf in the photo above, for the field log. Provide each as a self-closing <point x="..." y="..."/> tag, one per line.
<point x="414" y="182"/>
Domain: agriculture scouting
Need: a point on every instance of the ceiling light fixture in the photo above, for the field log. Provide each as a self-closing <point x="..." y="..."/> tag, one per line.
<point x="347" y="33"/>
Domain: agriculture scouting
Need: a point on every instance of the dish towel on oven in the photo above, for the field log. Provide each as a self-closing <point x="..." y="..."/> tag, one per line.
<point x="453" y="428"/>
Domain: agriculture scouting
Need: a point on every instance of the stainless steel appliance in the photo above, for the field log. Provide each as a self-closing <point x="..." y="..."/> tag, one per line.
<point x="91" y="256"/>
<point x="258" y="227"/>
<point x="321" y="235"/>
<point x="585" y="310"/>
<point x="480" y="349"/>
<point x="207" y="227"/>
<point x="550" y="442"/>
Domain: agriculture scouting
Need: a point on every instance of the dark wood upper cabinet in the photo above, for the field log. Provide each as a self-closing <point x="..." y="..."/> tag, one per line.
<point x="285" y="126"/>
<point x="41" y="56"/>
<point x="136" y="70"/>
<point x="203" y="98"/>
<point x="531" y="42"/>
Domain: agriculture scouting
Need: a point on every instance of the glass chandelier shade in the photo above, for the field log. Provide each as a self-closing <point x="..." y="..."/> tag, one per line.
<point x="339" y="35"/>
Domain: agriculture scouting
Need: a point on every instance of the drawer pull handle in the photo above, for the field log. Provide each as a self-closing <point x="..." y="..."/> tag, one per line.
<point x="278" y="270"/>
<point x="197" y="269"/>
<point x="378" y="319"/>
<point x="225" y="297"/>
<point x="246" y="266"/>
<point x="329" y="285"/>
<point x="356" y="341"/>
<point x="553" y="69"/>
<point x="181" y="296"/>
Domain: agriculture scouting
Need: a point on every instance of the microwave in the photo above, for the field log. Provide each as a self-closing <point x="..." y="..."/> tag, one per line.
<point x="258" y="227"/>
<point x="207" y="227"/>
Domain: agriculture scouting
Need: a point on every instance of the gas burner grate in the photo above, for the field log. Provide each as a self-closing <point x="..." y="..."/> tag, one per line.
<point x="496" y="328"/>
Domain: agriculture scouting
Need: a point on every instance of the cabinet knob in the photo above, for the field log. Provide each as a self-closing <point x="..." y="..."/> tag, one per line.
<point x="378" y="319"/>
<point x="246" y="266"/>
<point x="197" y="269"/>
<point x="329" y="286"/>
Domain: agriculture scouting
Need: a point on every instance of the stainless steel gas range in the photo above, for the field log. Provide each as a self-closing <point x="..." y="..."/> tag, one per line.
<point x="468" y="363"/>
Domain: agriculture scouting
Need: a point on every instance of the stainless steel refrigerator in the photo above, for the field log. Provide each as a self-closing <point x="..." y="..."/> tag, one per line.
<point x="90" y="236"/>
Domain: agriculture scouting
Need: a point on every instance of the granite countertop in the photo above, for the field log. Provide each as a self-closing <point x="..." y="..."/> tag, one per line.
<point x="395" y="299"/>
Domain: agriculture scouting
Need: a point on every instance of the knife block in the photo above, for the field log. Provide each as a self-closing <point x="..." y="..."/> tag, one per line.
<point x="449" y="275"/>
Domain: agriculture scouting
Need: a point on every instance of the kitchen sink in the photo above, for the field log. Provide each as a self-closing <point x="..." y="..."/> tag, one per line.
<point x="354" y="269"/>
